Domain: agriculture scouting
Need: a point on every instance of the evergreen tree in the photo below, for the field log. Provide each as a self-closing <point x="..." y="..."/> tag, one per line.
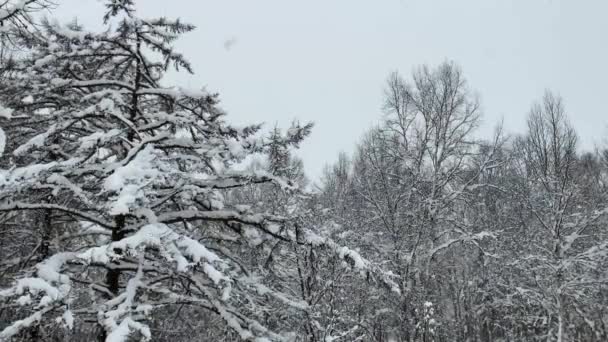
<point x="132" y="175"/>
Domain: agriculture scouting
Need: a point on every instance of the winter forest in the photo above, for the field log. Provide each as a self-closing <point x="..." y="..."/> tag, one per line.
<point x="132" y="209"/>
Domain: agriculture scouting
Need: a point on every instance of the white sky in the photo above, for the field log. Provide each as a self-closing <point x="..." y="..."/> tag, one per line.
<point x="326" y="60"/>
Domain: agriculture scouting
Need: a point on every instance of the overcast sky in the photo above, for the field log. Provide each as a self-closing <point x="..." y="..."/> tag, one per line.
<point x="326" y="60"/>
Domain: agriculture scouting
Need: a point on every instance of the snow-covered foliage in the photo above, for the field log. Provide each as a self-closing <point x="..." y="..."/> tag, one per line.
<point x="488" y="241"/>
<point x="17" y="22"/>
<point x="131" y="210"/>
<point x="136" y="175"/>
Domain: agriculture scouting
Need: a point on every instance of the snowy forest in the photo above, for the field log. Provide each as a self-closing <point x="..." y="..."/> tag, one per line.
<point x="133" y="210"/>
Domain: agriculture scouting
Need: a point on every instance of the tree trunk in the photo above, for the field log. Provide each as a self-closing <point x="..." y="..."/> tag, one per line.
<point x="113" y="275"/>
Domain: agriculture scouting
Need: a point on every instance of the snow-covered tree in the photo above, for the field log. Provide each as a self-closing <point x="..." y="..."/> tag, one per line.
<point x="412" y="180"/>
<point x="565" y="247"/>
<point x="130" y="177"/>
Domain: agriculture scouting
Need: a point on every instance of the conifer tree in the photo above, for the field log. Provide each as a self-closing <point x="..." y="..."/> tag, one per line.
<point x="132" y="176"/>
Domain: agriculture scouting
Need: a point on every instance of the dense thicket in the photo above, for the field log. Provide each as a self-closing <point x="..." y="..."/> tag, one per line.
<point x="132" y="210"/>
<point x="501" y="240"/>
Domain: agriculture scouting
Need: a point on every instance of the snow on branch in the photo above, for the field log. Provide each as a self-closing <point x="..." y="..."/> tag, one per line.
<point x="17" y="206"/>
<point x="464" y="238"/>
<point x="357" y="261"/>
<point x="50" y="285"/>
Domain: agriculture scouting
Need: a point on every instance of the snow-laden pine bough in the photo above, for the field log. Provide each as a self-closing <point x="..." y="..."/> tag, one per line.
<point x="125" y="180"/>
